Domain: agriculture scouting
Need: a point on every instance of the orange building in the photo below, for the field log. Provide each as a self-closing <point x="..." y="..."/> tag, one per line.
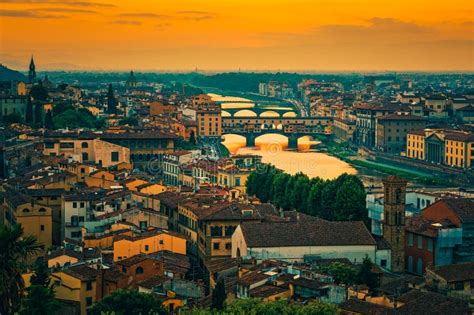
<point x="209" y="121"/>
<point x="149" y="242"/>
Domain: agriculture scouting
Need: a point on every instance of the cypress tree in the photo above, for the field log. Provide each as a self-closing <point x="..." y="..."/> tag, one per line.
<point x="219" y="295"/>
<point x="39" y="114"/>
<point x="29" y="111"/>
<point x="111" y="101"/>
<point x="48" y="120"/>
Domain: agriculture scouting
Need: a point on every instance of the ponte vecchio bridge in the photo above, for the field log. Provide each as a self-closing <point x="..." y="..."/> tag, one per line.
<point x="291" y="127"/>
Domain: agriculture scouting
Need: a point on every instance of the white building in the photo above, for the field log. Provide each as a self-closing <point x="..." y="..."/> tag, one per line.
<point x="303" y="239"/>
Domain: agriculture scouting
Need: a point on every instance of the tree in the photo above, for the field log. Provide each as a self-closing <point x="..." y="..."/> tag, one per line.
<point x="39" y="114"/>
<point x="131" y="121"/>
<point x="278" y="186"/>
<point x="340" y="272"/>
<point x="219" y="295"/>
<point x="48" y="120"/>
<point x="350" y="201"/>
<point x="366" y="275"/>
<point x="192" y="137"/>
<point x="29" y="111"/>
<point x="313" y="202"/>
<point x="16" y="248"/>
<point x="39" y="93"/>
<point x="12" y="118"/>
<point x="125" y="302"/>
<point x="81" y="118"/>
<point x="111" y="101"/>
<point x="40" y="295"/>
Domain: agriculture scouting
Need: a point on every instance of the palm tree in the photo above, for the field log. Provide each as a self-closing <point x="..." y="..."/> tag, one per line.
<point x="14" y="253"/>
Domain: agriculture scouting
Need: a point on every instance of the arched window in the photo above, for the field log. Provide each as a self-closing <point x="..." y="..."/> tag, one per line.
<point x="84" y="145"/>
<point x="26" y="210"/>
<point x="42" y="210"/>
<point x="139" y="271"/>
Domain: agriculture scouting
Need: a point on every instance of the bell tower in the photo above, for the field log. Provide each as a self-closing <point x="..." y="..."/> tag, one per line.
<point x="32" y="72"/>
<point x="394" y="219"/>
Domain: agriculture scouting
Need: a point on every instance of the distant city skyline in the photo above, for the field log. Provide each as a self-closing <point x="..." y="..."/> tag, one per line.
<point x="210" y="35"/>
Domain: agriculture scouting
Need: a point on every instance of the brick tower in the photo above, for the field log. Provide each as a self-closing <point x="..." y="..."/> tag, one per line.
<point x="394" y="219"/>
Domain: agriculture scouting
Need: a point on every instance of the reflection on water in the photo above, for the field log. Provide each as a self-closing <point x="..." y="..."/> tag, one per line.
<point x="272" y="149"/>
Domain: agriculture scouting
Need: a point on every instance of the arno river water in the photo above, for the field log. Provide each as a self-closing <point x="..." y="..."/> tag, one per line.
<point x="272" y="148"/>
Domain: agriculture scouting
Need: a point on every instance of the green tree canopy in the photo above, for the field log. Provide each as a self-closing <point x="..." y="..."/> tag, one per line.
<point x="127" y="302"/>
<point x="16" y="248"/>
<point x="259" y="307"/>
<point x="40" y="295"/>
<point x="341" y="273"/>
<point x="339" y="199"/>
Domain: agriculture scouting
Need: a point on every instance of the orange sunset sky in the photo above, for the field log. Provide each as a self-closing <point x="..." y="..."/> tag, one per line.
<point x="310" y="35"/>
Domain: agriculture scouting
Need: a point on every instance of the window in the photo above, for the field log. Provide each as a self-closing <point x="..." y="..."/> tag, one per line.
<point x="26" y="210"/>
<point x="430" y="245"/>
<point x="88" y="301"/>
<point x="216" y="246"/>
<point x="228" y="245"/>
<point x="139" y="271"/>
<point x="147" y="248"/>
<point x="419" y="266"/>
<point x="76" y="234"/>
<point x="124" y="269"/>
<point x="459" y="286"/>
<point x="84" y="145"/>
<point x="410" y="264"/>
<point x="74" y="204"/>
<point x="410" y="239"/>
<point x="383" y="262"/>
<point x="161" y="242"/>
<point x="66" y="145"/>
<point x="82" y="204"/>
<point x="420" y="241"/>
<point x="42" y="227"/>
<point x="114" y="156"/>
<point x="85" y="157"/>
<point x="89" y="285"/>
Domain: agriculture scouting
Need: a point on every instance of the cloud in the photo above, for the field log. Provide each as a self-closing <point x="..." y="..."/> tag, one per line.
<point x="65" y="10"/>
<point x="28" y="14"/>
<point x="62" y="2"/>
<point x="126" y="22"/>
<point x="162" y="25"/>
<point x="144" y="15"/>
<point x="197" y="15"/>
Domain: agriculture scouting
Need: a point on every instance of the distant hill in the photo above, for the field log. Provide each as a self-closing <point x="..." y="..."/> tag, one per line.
<point x="11" y="75"/>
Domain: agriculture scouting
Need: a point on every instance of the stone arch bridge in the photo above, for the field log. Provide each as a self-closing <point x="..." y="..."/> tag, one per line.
<point x="291" y="127"/>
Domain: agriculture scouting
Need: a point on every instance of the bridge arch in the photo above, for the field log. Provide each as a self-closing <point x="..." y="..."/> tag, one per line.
<point x="289" y="114"/>
<point x="225" y="114"/>
<point x="269" y="113"/>
<point x="245" y="113"/>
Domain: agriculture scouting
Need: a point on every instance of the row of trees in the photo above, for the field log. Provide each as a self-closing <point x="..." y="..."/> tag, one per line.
<point x="123" y="302"/>
<point x="341" y="199"/>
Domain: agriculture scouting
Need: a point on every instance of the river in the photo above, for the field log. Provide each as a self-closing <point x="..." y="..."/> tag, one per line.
<point x="272" y="148"/>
